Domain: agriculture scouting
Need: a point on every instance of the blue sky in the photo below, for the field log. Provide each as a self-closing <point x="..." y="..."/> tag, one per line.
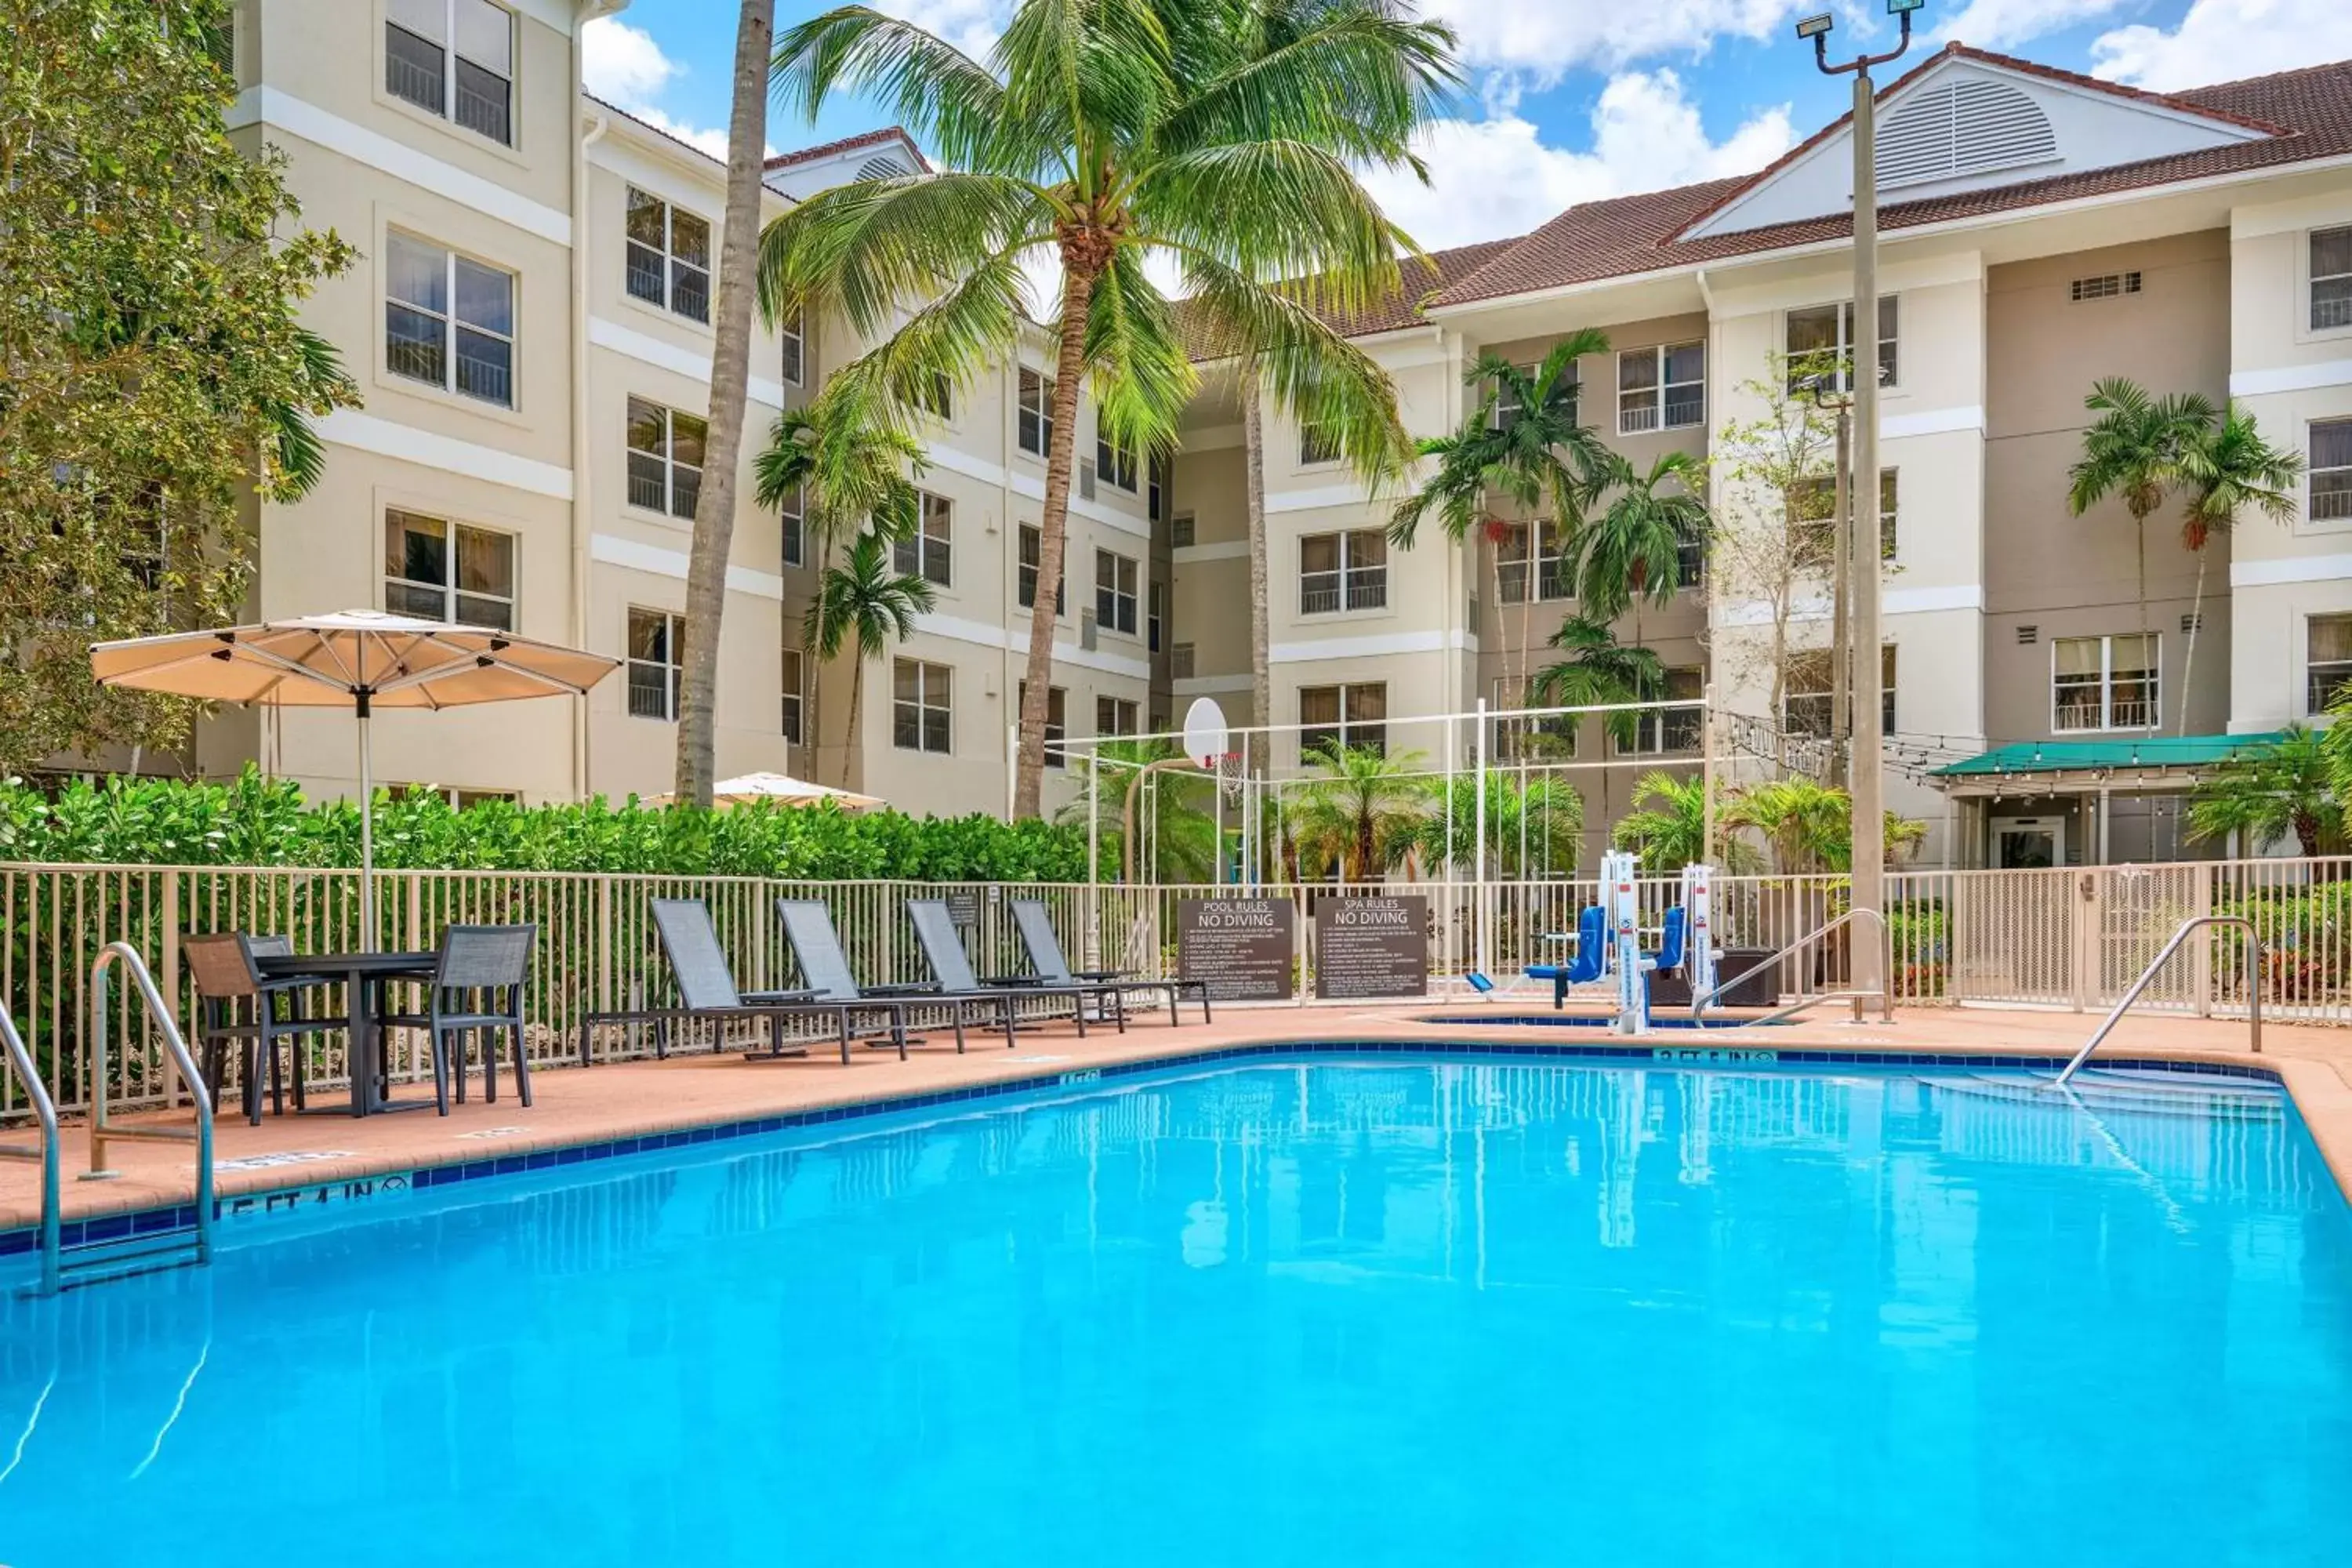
<point x="1570" y="101"/>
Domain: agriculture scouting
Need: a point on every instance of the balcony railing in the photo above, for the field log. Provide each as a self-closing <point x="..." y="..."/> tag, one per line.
<point x="483" y="103"/>
<point x="415" y="69"/>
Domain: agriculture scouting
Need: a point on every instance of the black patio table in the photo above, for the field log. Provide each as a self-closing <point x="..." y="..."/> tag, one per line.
<point x="365" y="975"/>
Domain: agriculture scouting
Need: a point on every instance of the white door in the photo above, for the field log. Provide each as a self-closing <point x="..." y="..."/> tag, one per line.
<point x="2028" y="843"/>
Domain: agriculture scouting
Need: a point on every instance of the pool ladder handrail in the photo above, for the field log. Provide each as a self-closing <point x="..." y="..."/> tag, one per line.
<point x="45" y="1112"/>
<point x="1885" y="999"/>
<point x="2147" y="976"/>
<point x="102" y="1131"/>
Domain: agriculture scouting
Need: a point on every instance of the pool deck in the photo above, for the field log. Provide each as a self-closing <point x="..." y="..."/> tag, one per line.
<point x="632" y="1099"/>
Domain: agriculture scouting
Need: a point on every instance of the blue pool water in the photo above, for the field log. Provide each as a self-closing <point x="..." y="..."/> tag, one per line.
<point x="1365" y="1311"/>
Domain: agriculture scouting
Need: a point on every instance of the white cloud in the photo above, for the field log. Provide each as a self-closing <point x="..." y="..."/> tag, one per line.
<point x="2221" y="41"/>
<point x="971" y="25"/>
<point x="1494" y="178"/>
<point x="1546" y="37"/>
<point x="622" y="64"/>
<point x="2006" y="24"/>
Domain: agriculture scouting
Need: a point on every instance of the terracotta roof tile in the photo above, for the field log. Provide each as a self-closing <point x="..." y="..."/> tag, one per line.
<point x="888" y="133"/>
<point x="1401" y="309"/>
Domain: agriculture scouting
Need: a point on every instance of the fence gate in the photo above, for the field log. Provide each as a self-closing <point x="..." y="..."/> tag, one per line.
<point x="2015" y="937"/>
<point x="2131" y="912"/>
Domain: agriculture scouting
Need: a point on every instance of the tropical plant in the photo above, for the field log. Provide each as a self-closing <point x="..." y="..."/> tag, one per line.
<point x="2228" y="468"/>
<point x="1177" y="838"/>
<point x="1362" y="812"/>
<point x="153" y="373"/>
<point x="1535" y="827"/>
<point x="1098" y="134"/>
<point x="2267" y="792"/>
<point x="1629" y="550"/>
<point x="867" y="602"/>
<point x="1600" y="672"/>
<point x="731" y="372"/>
<point x="1809" y="826"/>
<point x="2134" y="450"/>
<point x="1668" y="827"/>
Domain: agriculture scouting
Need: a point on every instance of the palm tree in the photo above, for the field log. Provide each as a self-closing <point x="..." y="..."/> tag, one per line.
<point x="1630" y="551"/>
<point x="1809" y="826"/>
<point x="731" y="372"/>
<point x="2228" y="468"/>
<point x="862" y="600"/>
<point x="1364" y="812"/>
<point x="301" y="454"/>
<point x="1180" y="837"/>
<point x="1599" y="671"/>
<point x="1668" y="827"/>
<point x="2266" y="791"/>
<point x="1533" y="825"/>
<point x="1099" y="134"/>
<point x="2134" y="450"/>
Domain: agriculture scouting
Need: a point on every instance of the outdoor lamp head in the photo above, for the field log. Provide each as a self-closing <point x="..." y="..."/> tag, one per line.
<point x="1818" y="27"/>
<point x="1903" y="7"/>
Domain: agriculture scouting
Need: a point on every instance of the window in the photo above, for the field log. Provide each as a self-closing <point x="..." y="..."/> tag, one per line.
<point x="927" y="553"/>
<point x="476" y="589"/>
<point x="792" y="513"/>
<point x="794" y="696"/>
<point x="1115" y="578"/>
<point x="1115" y="463"/>
<point x="448" y="321"/>
<point x="458" y="798"/>
<point x="1662" y="732"/>
<point x="2104" y="683"/>
<point x="668" y="257"/>
<point x="1318" y="445"/>
<point x="665" y="459"/>
<point x="1032" y="550"/>
<point x="1115" y="716"/>
<point x="1806" y="692"/>
<point x="1037" y="419"/>
<point x="2331" y="471"/>
<point x="937" y="395"/>
<point x="2327" y="655"/>
<point x="1160" y="484"/>
<point x="1664" y="388"/>
<point x="791" y="340"/>
<point x="1352" y="716"/>
<point x="657" y="651"/>
<point x="1814" y="537"/>
<point x="1552" y="737"/>
<point x="1057" y="729"/>
<point x="426" y="43"/>
<point x="1821" y="338"/>
<point x="2331" y="278"/>
<point x="1550" y="563"/>
<point x="1343" y="572"/>
<point x="919" y="720"/>
<point x="1183" y="529"/>
<point x="1155" y="614"/>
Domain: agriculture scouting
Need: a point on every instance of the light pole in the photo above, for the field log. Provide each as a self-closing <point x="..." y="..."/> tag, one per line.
<point x="1869" y="742"/>
<point x="1823" y="389"/>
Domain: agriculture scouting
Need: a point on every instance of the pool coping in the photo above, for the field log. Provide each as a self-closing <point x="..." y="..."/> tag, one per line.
<point x="363" y="1177"/>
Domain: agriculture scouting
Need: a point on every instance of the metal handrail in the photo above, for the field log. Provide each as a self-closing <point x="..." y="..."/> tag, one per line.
<point x="101" y="1130"/>
<point x="44" y="1111"/>
<point x="1885" y="1000"/>
<point x="2254" y="988"/>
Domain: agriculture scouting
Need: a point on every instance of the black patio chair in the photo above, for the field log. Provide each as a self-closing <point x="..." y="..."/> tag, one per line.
<point x="226" y="975"/>
<point x="1036" y="927"/>
<point x="707" y="994"/>
<point x="808" y="927"/>
<point x="935" y="930"/>
<point x="477" y="987"/>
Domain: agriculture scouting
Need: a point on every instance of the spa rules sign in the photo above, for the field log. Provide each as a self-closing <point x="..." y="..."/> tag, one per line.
<point x="1371" y="947"/>
<point x="1242" y="947"/>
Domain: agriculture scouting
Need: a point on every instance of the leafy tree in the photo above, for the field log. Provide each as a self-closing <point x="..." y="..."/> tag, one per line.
<point x="1534" y="826"/>
<point x="2230" y="469"/>
<point x="156" y="371"/>
<point x="731" y="372"/>
<point x="1597" y="671"/>
<point x="1363" y="813"/>
<point x="865" y="601"/>
<point x="1667" y="826"/>
<point x="1099" y="133"/>
<point x="1810" y="825"/>
<point x="2136" y="450"/>
<point x="2265" y="792"/>
<point x="1180" y="838"/>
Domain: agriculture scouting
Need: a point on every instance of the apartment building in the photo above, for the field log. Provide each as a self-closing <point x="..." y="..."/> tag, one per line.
<point x="2040" y="229"/>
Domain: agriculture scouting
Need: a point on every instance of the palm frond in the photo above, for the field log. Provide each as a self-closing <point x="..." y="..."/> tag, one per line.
<point x="938" y="93"/>
<point x="1356" y="77"/>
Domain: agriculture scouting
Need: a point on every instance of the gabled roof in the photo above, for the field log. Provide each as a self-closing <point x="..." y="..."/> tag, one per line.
<point x="884" y="137"/>
<point x="1418" y="281"/>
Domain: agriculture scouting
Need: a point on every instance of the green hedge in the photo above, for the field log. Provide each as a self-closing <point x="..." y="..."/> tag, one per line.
<point x="259" y="822"/>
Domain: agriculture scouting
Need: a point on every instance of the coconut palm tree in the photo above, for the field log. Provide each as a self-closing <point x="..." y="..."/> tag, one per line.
<point x="2134" y="450"/>
<point x="2267" y="792"/>
<point x="1668" y="827"/>
<point x="1533" y="825"/>
<point x="1098" y="135"/>
<point x="863" y="601"/>
<point x="2228" y="468"/>
<point x="1179" y="838"/>
<point x="1363" y="813"/>
<point x="1599" y="670"/>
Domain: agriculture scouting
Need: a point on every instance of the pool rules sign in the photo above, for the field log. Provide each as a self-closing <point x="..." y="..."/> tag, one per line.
<point x="1242" y="947"/>
<point x="1367" y="947"/>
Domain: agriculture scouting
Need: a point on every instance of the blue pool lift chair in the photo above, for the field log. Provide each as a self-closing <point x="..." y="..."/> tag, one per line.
<point x="1589" y="964"/>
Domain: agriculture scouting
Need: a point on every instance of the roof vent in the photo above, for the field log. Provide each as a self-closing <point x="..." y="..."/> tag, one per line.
<point x="1179" y="530"/>
<point x="880" y="169"/>
<point x="1180" y="662"/>
<point x="2108" y="285"/>
<point x="2193" y="622"/>
<point x="1966" y="127"/>
<point x="2028" y="636"/>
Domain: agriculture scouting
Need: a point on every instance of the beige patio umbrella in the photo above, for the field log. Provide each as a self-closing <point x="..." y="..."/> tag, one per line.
<point x="785" y="790"/>
<point x="359" y="659"/>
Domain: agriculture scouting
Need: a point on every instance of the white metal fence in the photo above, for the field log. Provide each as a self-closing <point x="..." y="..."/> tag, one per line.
<point x="2064" y="938"/>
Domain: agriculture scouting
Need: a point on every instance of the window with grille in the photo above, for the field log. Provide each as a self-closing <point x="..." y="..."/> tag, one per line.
<point x="1115" y="716"/>
<point x="2104" y="682"/>
<point x="1549" y="566"/>
<point x="1813" y="535"/>
<point x="1155" y="614"/>
<point x="1182" y="531"/>
<point x="442" y="570"/>
<point x="920" y="717"/>
<point x="1036" y="413"/>
<point x="1663" y="388"/>
<point x="448" y="321"/>
<point x="793" y="514"/>
<point x="665" y="459"/>
<point x="1318" y="445"/>
<point x="668" y="257"/>
<point x="657" y="653"/>
<point x="796" y="696"/>
<point x="2106" y="285"/>
<point x="2331" y="278"/>
<point x="1180" y="664"/>
<point x="1668" y="732"/>
<point x="928" y="553"/>
<point x="1115" y="591"/>
<point x="936" y="393"/>
<point x="1162" y="480"/>
<point x="1032" y="548"/>
<point x="1507" y="398"/>
<point x="1115" y="463"/>
<point x="792" y="340"/>
<point x="1807" y="706"/>
<point x="1057" y="729"/>
<point x="1354" y="717"/>
<point x="454" y="58"/>
<point x="2331" y="471"/>
<point x="2327" y="649"/>
<point x="1821" y="343"/>
<point x="1343" y="572"/>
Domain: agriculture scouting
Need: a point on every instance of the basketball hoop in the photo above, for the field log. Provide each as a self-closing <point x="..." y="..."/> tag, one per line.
<point x="1227" y="765"/>
<point x="1206" y="740"/>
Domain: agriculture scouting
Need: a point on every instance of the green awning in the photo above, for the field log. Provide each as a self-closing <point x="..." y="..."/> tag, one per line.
<point x="2082" y="756"/>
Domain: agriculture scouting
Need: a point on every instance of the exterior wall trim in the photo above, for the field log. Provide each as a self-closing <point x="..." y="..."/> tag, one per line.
<point x="614" y="550"/>
<point x="646" y="349"/>
<point x="2290" y="378"/>
<point x="389" y="438"/>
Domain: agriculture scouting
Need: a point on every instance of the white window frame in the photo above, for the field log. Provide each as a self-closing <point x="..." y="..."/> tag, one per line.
<point x="451" y="324"/>
<point x="1057" y="720"/>
<point x="1349" y="580"/>
<point x="2340" y="307"/>
<point x="2106" y="686"/>
<point x="2339" y="676"/>
<point x="793" y="677"/>
<point x="2339" y="474"/>
<point x="1842" y="312"/>
<point x="1115" y="464"/>
<point x="792" y="347"/>
<point x="1511" y="554"/>
<point x="1888" y="666"/>
<point x="1660" y="391"/>
<point x="668" y="261"/>
<point x="1350" y="731"/>
<point x="1117" y="588"/>
<point x="1159" y="477"/>
<point x="1317" y="450"/>
<point x="454" y="536"/>
<point x="667" y="456"/>
<point x="923" y="706"/>
<point x="791" y="518"/>
<point x="1034" y="412"/>
<point x="1670" y="731"/>
<point x="672" y="664"/>
<point x="928" y="553"/>
<point x="1028" y="570"/>
<point x="1118" y="717"/>
<point x="1890" y="503"/>
<point x="448" y="44"/>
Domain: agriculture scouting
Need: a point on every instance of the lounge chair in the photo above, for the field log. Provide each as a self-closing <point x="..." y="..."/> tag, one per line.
<point x="706" y="987"/>
<point x="935" y="929"/>
<point x="808" y="927"/>
<point x="1045" y="956"/>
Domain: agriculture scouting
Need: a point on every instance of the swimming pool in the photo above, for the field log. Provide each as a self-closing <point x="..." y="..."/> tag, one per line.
<point x="1330" y="1310"/>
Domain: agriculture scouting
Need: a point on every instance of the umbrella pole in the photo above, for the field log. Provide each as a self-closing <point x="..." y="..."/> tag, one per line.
<point x="367" y="833"/>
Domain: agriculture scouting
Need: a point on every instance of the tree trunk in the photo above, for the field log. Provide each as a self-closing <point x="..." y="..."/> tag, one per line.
<point x="2196" y="624"/>
<point x="1261" y="637"/>
<point x="1053" y="531"/>
<point x="730" y="368"/>
<point x="856" y="700"/>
